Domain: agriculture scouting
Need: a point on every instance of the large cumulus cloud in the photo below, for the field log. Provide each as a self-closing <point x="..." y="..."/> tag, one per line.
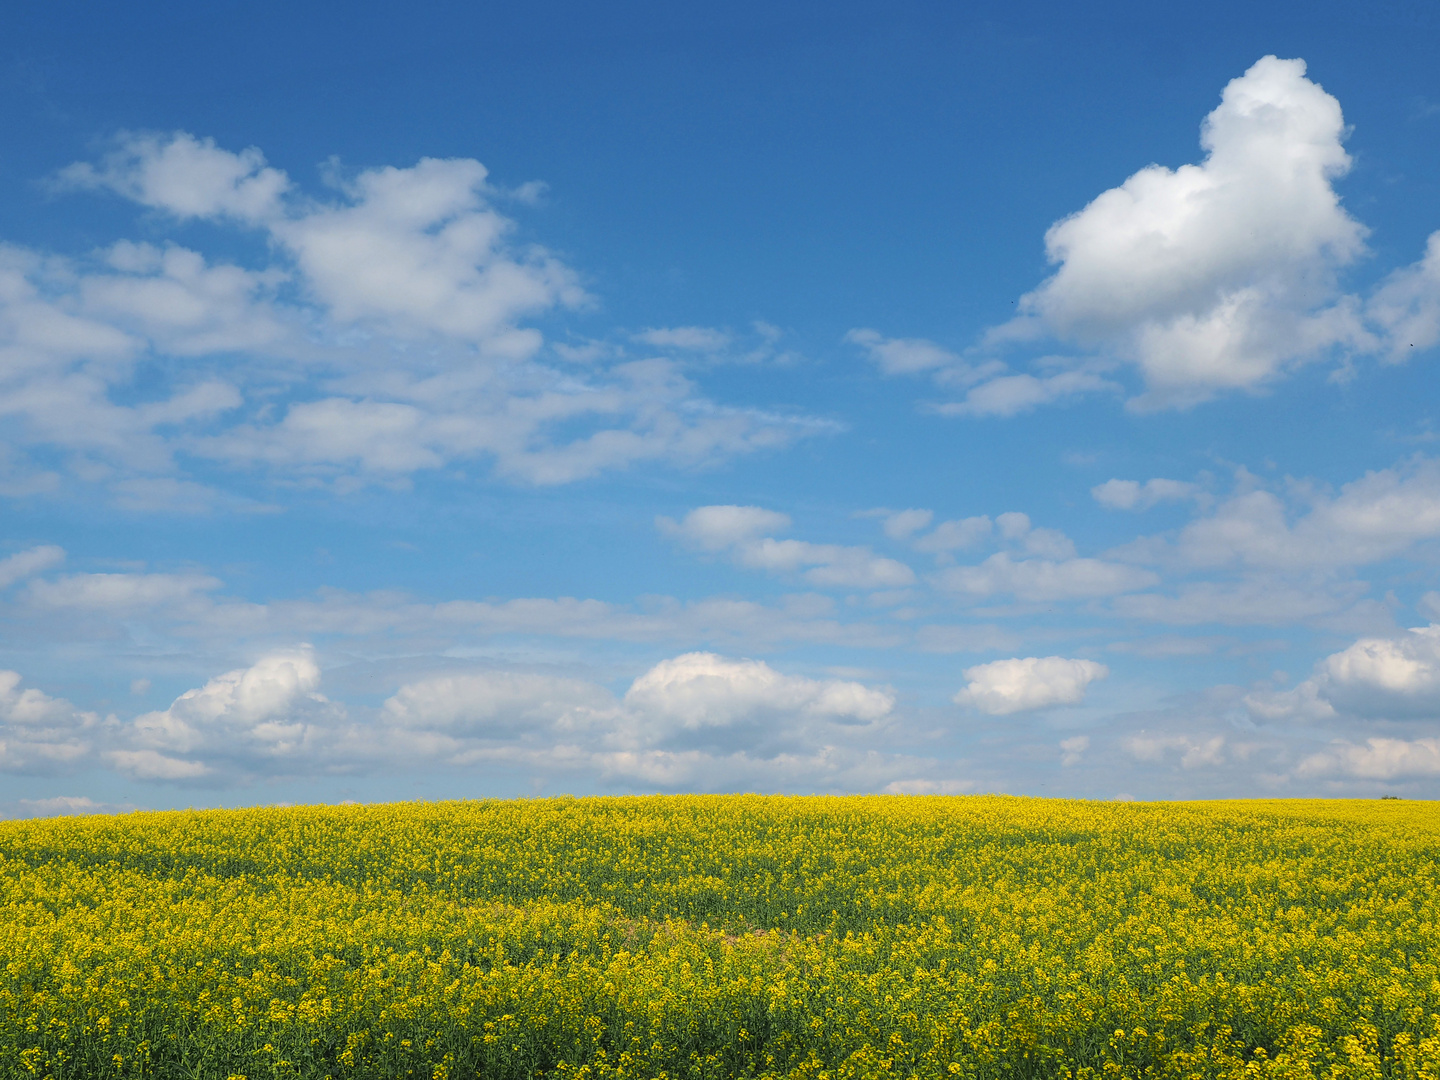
<point x="1218" y="276"/>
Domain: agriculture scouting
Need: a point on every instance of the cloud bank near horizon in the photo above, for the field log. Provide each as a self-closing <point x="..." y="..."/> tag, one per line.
<point x="552" y="519"/>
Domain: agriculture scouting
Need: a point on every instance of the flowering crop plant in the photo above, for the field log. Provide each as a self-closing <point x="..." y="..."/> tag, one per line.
<point x="725" y="936"/>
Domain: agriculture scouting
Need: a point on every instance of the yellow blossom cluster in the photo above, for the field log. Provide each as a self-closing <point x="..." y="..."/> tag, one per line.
<point x="726" y="936"/>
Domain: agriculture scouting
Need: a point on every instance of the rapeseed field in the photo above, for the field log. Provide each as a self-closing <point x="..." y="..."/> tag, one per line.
<point x="726" y="936"/>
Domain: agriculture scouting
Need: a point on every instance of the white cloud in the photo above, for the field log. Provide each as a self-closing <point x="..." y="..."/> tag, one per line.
<point x="119" y="592"/>
<point x="38" y="335"/>
<point x="1013" y="525"/>
<point x="1047" y="543"/>
<point x="1289" y="553"/>
<point x="185" y="176"/>
<point x="905" y="356"/>
<point x="1381" y="515"/>
<point x="514" y="420"/>
<point x="689" y="338"/>
<point x="991" y="393"/>
<point x="825" y="768"/>
<point x="21" y="478"/>
<point x="715" y="528"/>
<point x="737" y="530"/>
<point x="385" y="335"/>
<point x="268" y="716"/>
<point x="1376" y="759"/>
<point x="829" y="565"/>
<point x="1194" y="751"/>
<point x="695" y="720"/>
<point x="1010" y="395"/>
<point x="1022" y="684"/>
<point x="697" y="693"/>
<point x="905" y="523"/>
<point x="72" y="333"/>
<point x="420" y="251"/>
<point x="1407" y="305"/>
<point x="153" y="765"/>
<point x="1046" y="567"/>
<point x="183" y="305"/>
<point x="384" y="437"/>
<point x="1404" y="669"/>
<point x="497" y="704"/>
<point x="955" y="535"/>
<point x="182" y="610"/>
<point x="686" y="721"/>
<point x="413" y="251"/>
<point x="1217" y="276"/>
<point x="24" y="564"/>
<point x="761" y="344"/>
<point x="56" y="367"/>
<point x="1375" y="678"/>
<point x="1072" y="750"/>
<point x="1133" y="495"/>
<point x="168" y="494"/>
<point x="417" y="250"/>
<point x="1044" y="579"/>
<point x="1040" y="565"/>
<point x="40" y="733"/>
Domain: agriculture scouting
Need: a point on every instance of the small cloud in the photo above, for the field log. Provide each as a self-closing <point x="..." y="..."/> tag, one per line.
<point x="257" y="720"/>
<point x="1133" y="495"/>
<point x="152" y="765"/>
<point x="185" y="176"/>
<point x="904" y="523"/>
<point x="1194" y="751"/>
<point x="41" y="734"/>
<point x="702" y="690"/>
<point x="1073" y="749"/>
<point x="587" y="352"/>
<point x="1423" y="109"/>
<point x="1011" y="395"/>
<point x="714" y="528"/>
<point x="1044" y="579"/>
<point x="25" y="564"/>
<point x="903" y="356"/>
<point x="530" y="193"/>
<point x="955" y="535"/>
<point x="689" y="338"/>
<point x="738" y="530"/>
<point x="1024" y="684"/>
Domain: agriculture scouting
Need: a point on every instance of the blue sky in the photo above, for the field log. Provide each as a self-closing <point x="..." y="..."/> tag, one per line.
<point x="509" y="401"/>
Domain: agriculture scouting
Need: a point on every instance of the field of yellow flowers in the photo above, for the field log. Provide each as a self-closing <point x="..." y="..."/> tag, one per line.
<point x="726" y="936"/>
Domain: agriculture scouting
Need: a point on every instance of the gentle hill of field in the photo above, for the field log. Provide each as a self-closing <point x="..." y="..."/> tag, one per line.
<point x="723" y="936"/>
